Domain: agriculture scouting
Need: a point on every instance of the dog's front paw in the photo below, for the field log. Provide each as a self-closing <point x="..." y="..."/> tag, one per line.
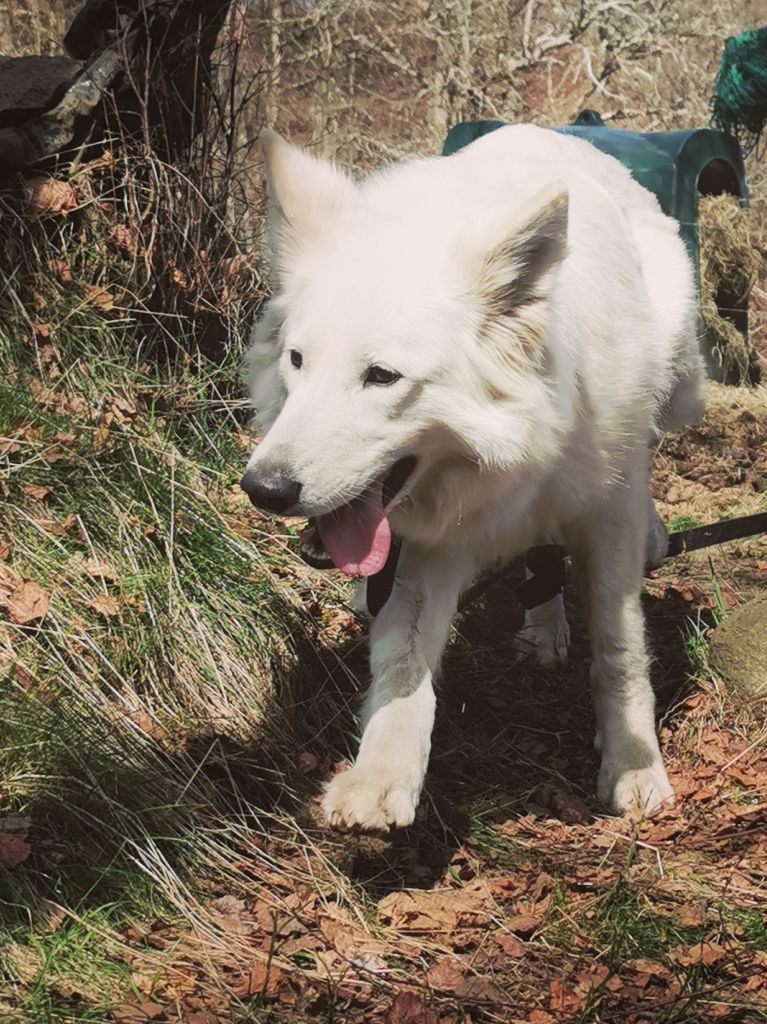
<point x="640" y="792"/>
<point x="371" y="797"/>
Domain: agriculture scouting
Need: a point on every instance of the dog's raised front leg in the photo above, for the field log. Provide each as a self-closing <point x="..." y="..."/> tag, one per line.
<point x="407" y="638"/>
<point x="608" y="552"/>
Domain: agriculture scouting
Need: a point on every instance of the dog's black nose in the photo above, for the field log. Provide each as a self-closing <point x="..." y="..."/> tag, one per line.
<point x="273" y="492"/>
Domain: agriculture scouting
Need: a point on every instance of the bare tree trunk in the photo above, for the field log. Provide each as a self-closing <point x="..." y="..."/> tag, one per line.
<point x="275" y="62"/>
<point x="453" y="65"/>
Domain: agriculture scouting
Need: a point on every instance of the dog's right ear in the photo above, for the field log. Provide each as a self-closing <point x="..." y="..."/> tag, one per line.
<point x="516" y="272"/>
<point x="305" y="195"/>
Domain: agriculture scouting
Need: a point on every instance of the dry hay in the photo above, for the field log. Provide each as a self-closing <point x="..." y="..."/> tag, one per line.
<point x="733" y="245"/>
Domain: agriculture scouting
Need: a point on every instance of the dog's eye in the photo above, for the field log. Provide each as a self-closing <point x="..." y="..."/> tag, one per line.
<point x="380" y="375"/>
<point x="296" y="359"/>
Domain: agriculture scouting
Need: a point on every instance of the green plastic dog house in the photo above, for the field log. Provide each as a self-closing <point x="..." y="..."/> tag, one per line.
<point x="676" y="166"/>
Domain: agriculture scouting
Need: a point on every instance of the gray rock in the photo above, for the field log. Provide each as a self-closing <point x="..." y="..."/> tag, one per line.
<point x="31" y="85"/>
<point x="739" y="649"/>
<point x="51" y="105"/>
<point x="55" y="129"/>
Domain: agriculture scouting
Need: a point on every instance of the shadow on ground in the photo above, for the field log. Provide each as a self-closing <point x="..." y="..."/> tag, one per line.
<point x="504" y="727"/>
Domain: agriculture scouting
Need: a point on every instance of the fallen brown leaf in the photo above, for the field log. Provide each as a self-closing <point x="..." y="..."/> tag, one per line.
<point x="540" y="1017"/>
<point x="28" y="603"/>
<point x="408" y="1008"/>
<point x="99" y="569"/>
<point x="482" y="989"/>
<point x="590" y="979"/>
<point x="510" y="944"/>
<point x="55" y="453"/>
<point x="49" y="195"/>
<point x="743" y="774"/>
<point x="106" y="159"/>
<point x="61" y="270"/>
<point x="101" y="438"/>
<point x="702" y="953"/>
<point x="663" y="832"/>
<point x="445" y="975"/>
<point x="122" y="236"/>
<point x="105" y="605"/>
<point x="99" y="296"/>
<point x="36" y="491"/>
<point x="23" y="676"/>
<point x="649" y="967"/>
<point x="562" y="997"/>
<point x="47" y="356"/>
<point x="13" y="850"/>
<point x="523" y="924"/>
<point x="506" y="887"/>
<point x="264" y="979"/>
<point x="8" y="446"/>
<point x="138" y="1013"/>
<point x="58" y="528"/>
<point x="128" y="1014"/>
<point x="123" y="409"/>
<point x="755" y="983"/>
<point x="746" y="810"/>
<point x="228" y="912"/>
<point x="419" y="911"/>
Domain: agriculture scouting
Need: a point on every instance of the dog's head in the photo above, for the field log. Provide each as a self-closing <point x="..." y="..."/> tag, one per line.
<point x="405" y="336"/>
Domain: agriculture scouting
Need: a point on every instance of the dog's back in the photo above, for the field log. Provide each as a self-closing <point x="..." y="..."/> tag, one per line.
<point x="627" y="284"/>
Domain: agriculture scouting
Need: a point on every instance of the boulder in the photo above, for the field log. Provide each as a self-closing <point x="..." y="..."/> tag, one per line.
<point x="31" y="85"/>
<point x="739" y="649"/>
<point x="43" y="134"/>
<point x="149" y="66"/>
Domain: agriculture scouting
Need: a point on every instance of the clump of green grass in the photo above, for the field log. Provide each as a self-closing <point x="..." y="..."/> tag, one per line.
<point x="697" y="646"/>
<point x="683" y="522"/>
<point x="627" y="926"/>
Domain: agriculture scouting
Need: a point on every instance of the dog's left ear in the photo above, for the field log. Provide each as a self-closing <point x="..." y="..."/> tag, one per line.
<point x="518" y="271"/>
<point x="305" y="195"/>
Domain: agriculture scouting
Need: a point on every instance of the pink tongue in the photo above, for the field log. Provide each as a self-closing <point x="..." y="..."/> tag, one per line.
<point x="357" y="536"/>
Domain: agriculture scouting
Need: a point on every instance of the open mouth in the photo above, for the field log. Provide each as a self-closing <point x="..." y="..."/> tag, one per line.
<point x="356" y="537"/>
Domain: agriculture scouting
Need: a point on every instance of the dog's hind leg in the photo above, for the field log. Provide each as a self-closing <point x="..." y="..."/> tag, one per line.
<point x="608" y="552"/>
<point x="545" y="633"/>
<point x="407" y="638"/>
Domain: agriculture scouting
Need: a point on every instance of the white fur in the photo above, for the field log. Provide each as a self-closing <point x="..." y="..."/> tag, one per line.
<point x="540" y="308"/>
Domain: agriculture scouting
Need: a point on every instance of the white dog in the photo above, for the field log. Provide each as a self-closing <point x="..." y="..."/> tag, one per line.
<point x="472" y="353"/>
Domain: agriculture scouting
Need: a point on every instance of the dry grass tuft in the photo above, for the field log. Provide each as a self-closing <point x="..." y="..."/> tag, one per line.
<point x="733" y="249"/>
